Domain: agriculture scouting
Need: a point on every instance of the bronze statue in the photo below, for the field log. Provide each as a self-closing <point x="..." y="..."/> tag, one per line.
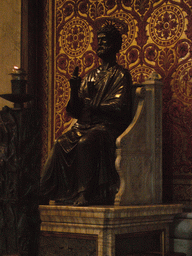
<point x="81" y="167"/>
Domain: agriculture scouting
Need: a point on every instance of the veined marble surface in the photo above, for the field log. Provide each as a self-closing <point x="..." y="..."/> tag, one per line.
<point x="59" y="213"/>
<point x="107" y="222"/>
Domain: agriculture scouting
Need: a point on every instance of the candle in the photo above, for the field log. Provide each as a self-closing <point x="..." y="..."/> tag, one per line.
<point x="18" y="73"/>
<point x="18" y="81"/>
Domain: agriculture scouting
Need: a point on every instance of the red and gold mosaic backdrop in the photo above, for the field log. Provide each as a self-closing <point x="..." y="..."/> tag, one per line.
<point x="159" y="39"/>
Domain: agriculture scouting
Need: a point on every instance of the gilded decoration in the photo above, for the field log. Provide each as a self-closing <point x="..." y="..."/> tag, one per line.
<point x="158" y="39"/>
<point x="166" y="25"/>
<point x="75" y="37"/>
<point x="182" y="82"/>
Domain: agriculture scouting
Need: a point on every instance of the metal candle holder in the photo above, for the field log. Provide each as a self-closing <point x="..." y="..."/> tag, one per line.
<point x="18" y="86"/>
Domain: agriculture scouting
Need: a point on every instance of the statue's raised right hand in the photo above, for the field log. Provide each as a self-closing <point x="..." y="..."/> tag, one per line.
<point x="75" y="72"/>
<point x="75" y="81"/>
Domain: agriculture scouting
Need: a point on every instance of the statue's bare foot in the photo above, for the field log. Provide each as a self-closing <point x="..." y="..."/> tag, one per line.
<point x="81" y="201"/>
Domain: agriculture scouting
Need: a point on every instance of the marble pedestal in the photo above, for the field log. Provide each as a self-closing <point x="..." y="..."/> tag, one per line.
<point x="181" y="233"/>
<point x="113" y="227"/>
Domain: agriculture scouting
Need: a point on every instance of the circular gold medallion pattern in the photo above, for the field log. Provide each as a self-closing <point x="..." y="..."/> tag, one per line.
<point x="75" y="37"/>
<point x="166" y="25"/>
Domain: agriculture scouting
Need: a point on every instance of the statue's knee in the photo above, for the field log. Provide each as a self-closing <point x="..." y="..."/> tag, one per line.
<point x="92" y="138"/>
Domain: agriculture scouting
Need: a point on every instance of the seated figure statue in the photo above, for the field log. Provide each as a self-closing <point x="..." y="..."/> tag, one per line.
<point x="80" y="169"/>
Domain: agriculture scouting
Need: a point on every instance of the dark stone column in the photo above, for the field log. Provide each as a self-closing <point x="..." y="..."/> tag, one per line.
<point x="19" y="182"/>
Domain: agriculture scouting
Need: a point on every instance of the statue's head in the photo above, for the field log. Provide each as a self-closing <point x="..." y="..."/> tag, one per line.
<point x="109" y="40"/>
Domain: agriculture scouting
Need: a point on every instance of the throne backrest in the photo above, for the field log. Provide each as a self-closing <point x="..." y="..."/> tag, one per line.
<point x="139" y="148"/>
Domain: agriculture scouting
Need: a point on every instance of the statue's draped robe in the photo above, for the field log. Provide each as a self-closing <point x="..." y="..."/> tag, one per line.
<point x="83" y="159"/>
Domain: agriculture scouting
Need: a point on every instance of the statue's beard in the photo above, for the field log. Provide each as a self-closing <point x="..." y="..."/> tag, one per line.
<point x="104" y="51"/>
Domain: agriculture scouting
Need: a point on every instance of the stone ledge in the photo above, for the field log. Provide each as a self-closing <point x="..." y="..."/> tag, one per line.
<point x="107" y="222"/>
<point x="108" y="215"/>
<point x="181" y="227"/>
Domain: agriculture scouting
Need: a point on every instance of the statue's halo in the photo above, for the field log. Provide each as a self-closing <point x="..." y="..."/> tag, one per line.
<point x="105" y="20"/>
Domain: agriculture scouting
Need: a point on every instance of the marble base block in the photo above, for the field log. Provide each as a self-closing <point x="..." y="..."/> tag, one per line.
<point x="115" y="228"/>
<point x="181" y="233"/>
